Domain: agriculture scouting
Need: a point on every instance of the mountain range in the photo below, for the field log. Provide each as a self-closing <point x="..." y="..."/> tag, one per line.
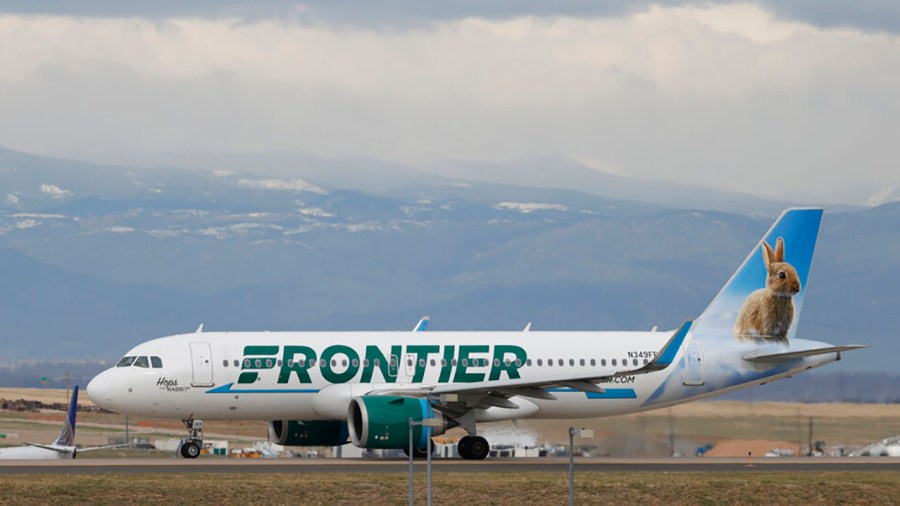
<point x="96" y="258"/>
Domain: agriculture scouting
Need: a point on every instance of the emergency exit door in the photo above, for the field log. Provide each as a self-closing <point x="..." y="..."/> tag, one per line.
<point x="201" y="359"/>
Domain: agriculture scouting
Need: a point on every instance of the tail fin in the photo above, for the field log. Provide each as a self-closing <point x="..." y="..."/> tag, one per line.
<point x="763" y="298"/>
<point x="67" y="436"/>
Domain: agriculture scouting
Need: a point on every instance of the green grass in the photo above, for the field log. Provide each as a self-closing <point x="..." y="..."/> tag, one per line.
<point x="457" y="488"/>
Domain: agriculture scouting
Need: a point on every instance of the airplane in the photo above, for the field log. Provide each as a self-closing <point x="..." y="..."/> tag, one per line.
<point x="64" y="446"/>
<point x="332" y="388"/>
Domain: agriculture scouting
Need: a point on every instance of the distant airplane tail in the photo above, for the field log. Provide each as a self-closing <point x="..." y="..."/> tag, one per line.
<point x="762" y="300"/>
<point x="67" y="436"/>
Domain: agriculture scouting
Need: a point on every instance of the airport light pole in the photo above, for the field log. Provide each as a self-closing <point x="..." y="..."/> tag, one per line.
<point x="427" y="424"/>
<point x="583" y="434"/>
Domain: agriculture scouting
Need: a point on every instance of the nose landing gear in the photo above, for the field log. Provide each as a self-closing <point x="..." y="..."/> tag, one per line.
<point x="191" y="445"/>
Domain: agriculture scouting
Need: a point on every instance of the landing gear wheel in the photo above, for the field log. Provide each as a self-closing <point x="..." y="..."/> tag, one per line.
<point x="190" y="450"/>
<point x="473" y="448"/>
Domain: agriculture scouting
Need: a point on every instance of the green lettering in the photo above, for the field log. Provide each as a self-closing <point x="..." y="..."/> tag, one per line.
<point x="290" y="364"/>
<point x="512" y="370"/>
<point x="387" y="367"/>
<point x="463" y="376"/>
<point x="422" y="351"/>
<point x="447" y="368"/>
<point x="340" y="377"/>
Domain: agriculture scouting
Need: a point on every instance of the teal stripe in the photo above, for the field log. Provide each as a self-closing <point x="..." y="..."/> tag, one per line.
<point x="226" y="389"/>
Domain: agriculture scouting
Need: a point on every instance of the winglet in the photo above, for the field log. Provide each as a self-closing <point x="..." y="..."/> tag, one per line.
<point x="670" y="350"/>
<point x="422" y="325"/>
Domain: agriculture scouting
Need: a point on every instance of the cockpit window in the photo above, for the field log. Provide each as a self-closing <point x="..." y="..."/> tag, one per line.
<point x="125" y="362"/>
<point x="141" y="362"/>
<point x="157" y="362"/>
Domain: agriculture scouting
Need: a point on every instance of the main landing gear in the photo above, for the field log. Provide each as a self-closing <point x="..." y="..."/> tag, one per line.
<point x="191" y="445"/>
<point x="473" y="448"/>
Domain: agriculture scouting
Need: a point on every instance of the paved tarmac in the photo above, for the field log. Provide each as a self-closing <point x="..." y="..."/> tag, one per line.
<point x="269" y="466"/>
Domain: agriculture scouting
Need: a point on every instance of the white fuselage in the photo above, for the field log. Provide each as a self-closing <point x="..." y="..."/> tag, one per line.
<point x="281" y="375"/>
<point x="36" y="453"/>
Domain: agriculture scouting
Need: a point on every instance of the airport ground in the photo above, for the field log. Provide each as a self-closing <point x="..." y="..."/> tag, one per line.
<point x="500" y="488"/>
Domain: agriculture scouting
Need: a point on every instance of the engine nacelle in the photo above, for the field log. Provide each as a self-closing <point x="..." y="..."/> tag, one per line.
<point x="308" y="433"/>
<point x="383" y="421"/>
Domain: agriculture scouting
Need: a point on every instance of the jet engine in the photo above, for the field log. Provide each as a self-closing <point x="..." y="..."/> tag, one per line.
<point x="378" y="421"/>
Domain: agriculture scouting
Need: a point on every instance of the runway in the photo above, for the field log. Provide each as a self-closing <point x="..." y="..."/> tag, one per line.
<point x="358" y="466"/>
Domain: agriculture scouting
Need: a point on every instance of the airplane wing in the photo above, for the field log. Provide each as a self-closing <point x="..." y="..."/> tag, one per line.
<point x="107" y="447"/>
<point x="59" y="449"/>
<point x="538" y="388"/>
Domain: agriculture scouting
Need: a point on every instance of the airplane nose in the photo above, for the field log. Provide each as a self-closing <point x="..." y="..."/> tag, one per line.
<point x="100" y="390"/>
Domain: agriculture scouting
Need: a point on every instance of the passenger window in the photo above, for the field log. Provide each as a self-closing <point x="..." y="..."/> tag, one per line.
<point x="540" y="362"/>
<point x="246" y="363"/>
<point x="528" y="362"/>
<point x="225" y="363"/>
<point x="593" y="362"/>
<point x="572" y="361"/>
<point x="236" y="363"/>
<point x="142" y="362"/>
<point x="125" y="362"/>
<point x="581" y="362"/>
<point x="603" y="362"/>
<point x="465" y="362"/>
<point x="634" y="361"/>
<point x="550" y="362"/>
<point x="614" y="362"/>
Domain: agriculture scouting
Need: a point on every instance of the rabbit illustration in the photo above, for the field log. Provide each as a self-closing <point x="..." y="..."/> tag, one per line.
<point x="768" y="312"/>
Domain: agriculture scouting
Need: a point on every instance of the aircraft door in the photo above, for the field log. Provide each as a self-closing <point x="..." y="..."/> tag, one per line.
<point x="408" y="367"/>
<point x="694" y="371"/>
<point x="201" y="360"/>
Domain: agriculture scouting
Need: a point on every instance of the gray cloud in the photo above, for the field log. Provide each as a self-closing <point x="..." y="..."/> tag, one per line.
<point x="867" y="15"/>
<point x="723" y="96"/>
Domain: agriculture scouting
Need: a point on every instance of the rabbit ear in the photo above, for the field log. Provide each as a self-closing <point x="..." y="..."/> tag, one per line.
<point x="768" y="254"/>
<point x="779" y="250"/>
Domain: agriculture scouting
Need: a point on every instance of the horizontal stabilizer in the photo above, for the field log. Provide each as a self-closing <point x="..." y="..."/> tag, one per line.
<point x="760" y="356"/>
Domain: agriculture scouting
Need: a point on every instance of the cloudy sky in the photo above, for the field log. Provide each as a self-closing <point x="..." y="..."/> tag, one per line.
<point x="794" y="100"/>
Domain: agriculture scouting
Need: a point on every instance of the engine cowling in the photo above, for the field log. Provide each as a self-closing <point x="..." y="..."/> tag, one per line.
<point x="308" y="433"/>
<point x="383" y="421"/>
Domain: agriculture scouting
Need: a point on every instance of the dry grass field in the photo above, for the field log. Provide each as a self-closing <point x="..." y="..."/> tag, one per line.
<point x="882" y="488"/>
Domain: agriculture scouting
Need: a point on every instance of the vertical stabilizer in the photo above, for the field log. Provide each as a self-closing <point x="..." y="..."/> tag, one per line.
<point x="67" y="436"/>
<point x="762" y="300"/>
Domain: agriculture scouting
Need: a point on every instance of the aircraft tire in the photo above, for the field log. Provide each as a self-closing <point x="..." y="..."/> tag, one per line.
<point x="190" y="450"/>
<point x="479" y="448"/>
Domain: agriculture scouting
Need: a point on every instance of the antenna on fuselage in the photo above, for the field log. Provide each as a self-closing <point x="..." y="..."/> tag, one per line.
<point x="527" y="327"/>
<point x="199" y="329"/>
